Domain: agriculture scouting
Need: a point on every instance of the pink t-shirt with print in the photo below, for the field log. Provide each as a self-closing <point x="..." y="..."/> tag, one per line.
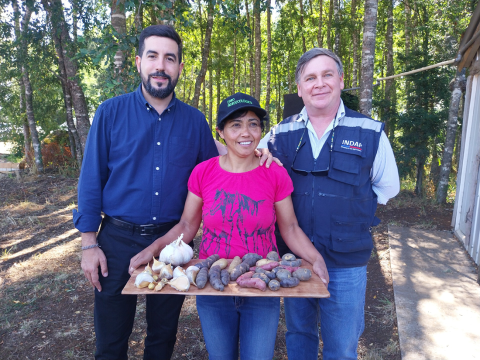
<point x="238" y="208"/>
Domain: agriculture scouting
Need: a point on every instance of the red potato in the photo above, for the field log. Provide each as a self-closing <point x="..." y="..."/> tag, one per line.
<point x="252" y="283"/>
<point x="269" y="266"/>
<point x="245" y="276"/>
<point x="290" y="268"/>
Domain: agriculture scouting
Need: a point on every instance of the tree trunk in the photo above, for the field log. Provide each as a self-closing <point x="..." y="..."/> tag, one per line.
<point x="336" y="20"/>
<point x="269" y="65"/>
<point x="119" y="23"/>
<point x="219" y="75"/>
<point x="55" y="10"/>
<point x="329" y="25"/>
<point x="26" y="129"/>
<point x="250" y="53"/>
<point x="302" y="27"/>
<point x="258" y="50"/>
<point x="234" y="75"/>
<point x="205" y="54"/>
<point x="320" y="24"/>
<point x="419" y="176"/>
<point x="210" y="95"/>
<point x="407" y="26"/>
<point x="355" y="41"/>
<point x="23" y="58"/>
<point x="368" y="56"/>
<point x="457" y="87"/>
<point x="138" y="20"/>
<point x="389" y="84"/>
<point x="37" y="150"/>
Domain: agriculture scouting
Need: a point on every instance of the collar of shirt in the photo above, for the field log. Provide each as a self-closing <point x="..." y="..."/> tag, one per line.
<point x="315" y="142"/>
<point x="144" y="102"/>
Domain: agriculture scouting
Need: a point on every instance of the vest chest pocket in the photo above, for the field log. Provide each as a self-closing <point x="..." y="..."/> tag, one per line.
<point x="350" y="236"/>
<point x="345" y="168"/>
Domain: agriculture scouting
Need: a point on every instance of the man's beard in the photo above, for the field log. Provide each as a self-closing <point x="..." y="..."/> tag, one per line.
<point x="163" y="92"/>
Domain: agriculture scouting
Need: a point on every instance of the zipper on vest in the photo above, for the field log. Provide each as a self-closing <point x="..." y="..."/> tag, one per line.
<point x="313" y="201"/>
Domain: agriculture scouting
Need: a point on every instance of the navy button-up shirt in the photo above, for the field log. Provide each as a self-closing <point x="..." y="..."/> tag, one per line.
<point x="137" y="162"/>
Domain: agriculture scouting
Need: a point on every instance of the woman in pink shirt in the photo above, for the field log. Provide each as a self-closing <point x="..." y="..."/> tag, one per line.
<point x="239" y="202"/>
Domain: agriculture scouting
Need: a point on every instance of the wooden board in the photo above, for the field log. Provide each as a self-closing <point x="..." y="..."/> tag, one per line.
<point x="313" y="288"/>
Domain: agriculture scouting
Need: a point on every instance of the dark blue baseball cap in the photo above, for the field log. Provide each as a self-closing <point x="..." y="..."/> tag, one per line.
<point x="238" y="101"/>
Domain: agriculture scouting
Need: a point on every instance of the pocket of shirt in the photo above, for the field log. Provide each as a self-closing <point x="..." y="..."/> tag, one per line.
<point x="181" y="153"/>
<point x="345" y="168"/>
<point x="350" y="236"/>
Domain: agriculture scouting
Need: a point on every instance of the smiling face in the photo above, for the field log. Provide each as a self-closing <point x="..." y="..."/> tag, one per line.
<point x="320" y="86"/>
<point x="159" y="66"/>
<point x="242" y="134"/>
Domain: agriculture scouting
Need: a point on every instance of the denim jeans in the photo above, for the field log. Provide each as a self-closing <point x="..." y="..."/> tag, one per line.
<point x="114" y="313"/>
<point x="341" y="318"/>
<point x="226" y="320"/>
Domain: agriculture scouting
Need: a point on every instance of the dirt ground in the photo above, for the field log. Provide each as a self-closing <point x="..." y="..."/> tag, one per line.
<point x="46" y="305"/>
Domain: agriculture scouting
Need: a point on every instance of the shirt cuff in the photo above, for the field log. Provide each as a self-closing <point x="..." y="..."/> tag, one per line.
<point x="86" y="223"/>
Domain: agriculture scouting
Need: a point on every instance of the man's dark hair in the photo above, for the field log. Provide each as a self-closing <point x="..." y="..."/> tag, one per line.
<point x="161" y="31"/>
<point x="239" y="113"/>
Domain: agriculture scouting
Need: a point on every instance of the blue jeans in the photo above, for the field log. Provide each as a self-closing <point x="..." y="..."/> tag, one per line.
<point x="226" y="320"/>
<point x="341" y="318"/>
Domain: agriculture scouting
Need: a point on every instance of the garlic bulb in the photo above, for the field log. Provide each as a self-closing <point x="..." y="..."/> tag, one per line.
<point x="180" y="283"/>
<point x="143" y="279"/>
<point x="179" y="271"/>
<point x="177" y="253"/>
<point x="166" y="272"/>
<point x="157" y="266"/>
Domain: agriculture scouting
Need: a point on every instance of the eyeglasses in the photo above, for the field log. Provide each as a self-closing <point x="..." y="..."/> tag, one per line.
<point x="313" y="172"/>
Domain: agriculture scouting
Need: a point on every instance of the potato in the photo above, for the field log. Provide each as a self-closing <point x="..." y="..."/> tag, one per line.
<point x="289" y="257"/>
<point x="274" y="285"/>
<point x="251" y="258"/>
<point x="283" y="274"/>
<point x="208" y="261"/>
<point x="262" y="277"/>
<point x="263" y="262"/>
<point x="202" y="278"/>
<point x="271" y="265"/>
<point x="236" y="261"/>
<point x="252" y="283"/>
<point x="269" y="274"/>
<point x="289" y="282"/>
<point x="214" y="278"/>
<point x="225" y="276"/>
<point x="273" y="255"/>
<point x="292" y="263"/>
<point x="239" y="270"/>
<point x="221" y="262"/>
<point x="302" y="274"/>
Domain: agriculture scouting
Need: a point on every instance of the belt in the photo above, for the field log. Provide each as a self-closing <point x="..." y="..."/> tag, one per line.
<point x="149" y="229"/>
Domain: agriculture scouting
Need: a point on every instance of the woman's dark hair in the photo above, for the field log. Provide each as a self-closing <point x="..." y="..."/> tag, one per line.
<point x="239" y="113"/>
<point x="161" y="31"/>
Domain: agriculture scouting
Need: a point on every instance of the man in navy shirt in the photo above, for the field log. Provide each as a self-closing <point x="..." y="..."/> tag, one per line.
<point x="139" y="154"/>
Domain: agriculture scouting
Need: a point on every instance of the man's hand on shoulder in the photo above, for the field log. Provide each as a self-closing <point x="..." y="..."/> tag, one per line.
<point x="266" y="157"/>
<point x="92" y="259"/>
<point x="222" y="149"/>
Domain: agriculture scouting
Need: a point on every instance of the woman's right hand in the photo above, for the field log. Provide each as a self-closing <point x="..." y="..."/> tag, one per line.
<point x="320" y="268"/>
<point x="142" y="258"/>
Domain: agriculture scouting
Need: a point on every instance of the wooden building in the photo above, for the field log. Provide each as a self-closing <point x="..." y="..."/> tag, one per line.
<point x="466" y="213"/>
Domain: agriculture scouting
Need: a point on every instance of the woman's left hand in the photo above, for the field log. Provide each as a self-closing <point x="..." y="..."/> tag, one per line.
<point x="320" y="269"/>
<point x="143" y="257"/>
